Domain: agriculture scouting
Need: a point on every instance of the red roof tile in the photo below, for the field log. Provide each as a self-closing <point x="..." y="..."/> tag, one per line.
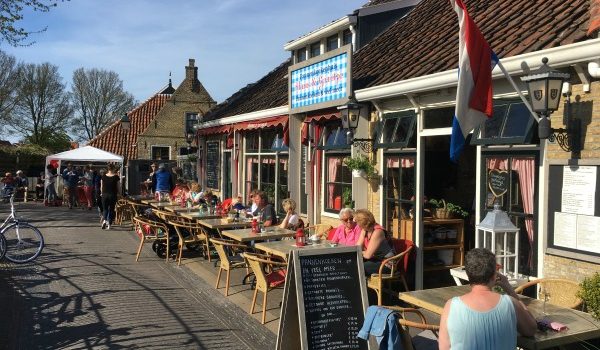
<point x="113" y="138"/>
<point x="268" y="92"/>
<point x="426" y="40"/>
<point x="594" y="17"/>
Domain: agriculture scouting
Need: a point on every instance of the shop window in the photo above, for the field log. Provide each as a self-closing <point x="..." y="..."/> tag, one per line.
<point x="332" y="42"/>
<point x="338" y="183"/>
<point x="267" y="164"/>
<point x="161" y="153"/>
<point x="315" y="49"/>
<point x="518" y="200"/>
<point x="333" y="137"/>
<point x="300" y="55"/>
<point x="511" y="123"/>
<point x="397" y="130"/>
<point x="191" y="120"/>
<point x="399" y="189"/>
<point x="347" y="37"/>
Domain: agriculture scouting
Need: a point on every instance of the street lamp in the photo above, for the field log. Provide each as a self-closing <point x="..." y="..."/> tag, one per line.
<point x="125" y="125"/>
<point x="545" y="88"/>
<point x="350" y="113"/>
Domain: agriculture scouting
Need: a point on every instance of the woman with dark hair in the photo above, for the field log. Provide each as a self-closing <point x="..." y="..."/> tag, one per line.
<point x="373" y="240"/>
<point x="482" y="318"/>
<point x="49" y="182"/>
<point x="109" y="187"/>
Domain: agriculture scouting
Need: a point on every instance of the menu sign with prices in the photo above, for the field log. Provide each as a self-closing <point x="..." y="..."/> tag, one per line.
<point x="324" y="300"/>
<point x="212" y="164"/>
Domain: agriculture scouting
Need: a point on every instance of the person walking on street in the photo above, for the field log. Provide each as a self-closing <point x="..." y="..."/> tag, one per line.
<point x="109" y="187"/>
<point x="50" y="183"/>
<point x="88" y="185"/>
<point x="98" y="191"/>
<point x="71" y="178"/>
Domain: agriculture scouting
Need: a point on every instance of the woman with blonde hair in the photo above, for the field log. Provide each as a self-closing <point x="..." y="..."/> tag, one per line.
<point x="291" y="219"/>
<point x="373" y="240"/>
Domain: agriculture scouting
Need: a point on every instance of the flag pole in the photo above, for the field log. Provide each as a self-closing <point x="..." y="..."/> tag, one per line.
<point x="514" y="85"/>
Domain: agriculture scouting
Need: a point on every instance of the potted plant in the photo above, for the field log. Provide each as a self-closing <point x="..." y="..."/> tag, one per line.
<point x="445" y="210"/>
<point x="360" y="165"/>
<point x="590" y="294"/>
<point x="347" y="197"/>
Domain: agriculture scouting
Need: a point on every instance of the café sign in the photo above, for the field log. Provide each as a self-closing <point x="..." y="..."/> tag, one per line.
<point x="321" y="82"/>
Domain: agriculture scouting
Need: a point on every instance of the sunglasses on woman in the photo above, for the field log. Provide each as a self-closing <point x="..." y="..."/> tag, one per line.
<point x="347" y="219"/>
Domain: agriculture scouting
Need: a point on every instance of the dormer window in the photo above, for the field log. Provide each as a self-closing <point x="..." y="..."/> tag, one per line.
<point x="347" y="37"/>
<point x="301" y="55"/>
<point x="332" y="42"/>
<point x="315" y="49"/>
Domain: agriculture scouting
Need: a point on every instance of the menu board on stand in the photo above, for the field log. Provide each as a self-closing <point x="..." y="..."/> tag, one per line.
<point x="324" y="300"/>
<point x="213" y="157"/>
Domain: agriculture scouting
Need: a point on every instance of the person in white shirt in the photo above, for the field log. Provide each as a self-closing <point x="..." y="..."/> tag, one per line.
<point x="291" y="219"/>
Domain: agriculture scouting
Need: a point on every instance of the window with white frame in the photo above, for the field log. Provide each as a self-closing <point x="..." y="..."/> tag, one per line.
<point x="315" y="49"/>
<point x="332" y="42"/>
<point x="300" y="55"/>
<point x="338" y="178"/>
<point x="161" y="153"/>
<point x="267" y="164"/>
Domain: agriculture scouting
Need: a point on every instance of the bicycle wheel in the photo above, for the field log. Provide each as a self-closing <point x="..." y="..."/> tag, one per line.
<point x="2" y="247"/>
<point x="24" y="242"/>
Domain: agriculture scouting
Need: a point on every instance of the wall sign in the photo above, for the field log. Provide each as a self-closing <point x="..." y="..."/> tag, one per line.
<point x="213" y="168"/>
<point x="498" y="182"/>
<point x="321" y="82"/>
<point x="324" y="300"/>
<point x="579" y="190"/>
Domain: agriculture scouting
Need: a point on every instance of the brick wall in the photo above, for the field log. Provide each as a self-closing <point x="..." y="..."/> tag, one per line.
<point x="168" y="127"/>
<point x="587" y="107"/>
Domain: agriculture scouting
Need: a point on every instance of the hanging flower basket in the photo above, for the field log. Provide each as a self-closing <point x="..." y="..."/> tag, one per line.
<point x="359" y="173"/>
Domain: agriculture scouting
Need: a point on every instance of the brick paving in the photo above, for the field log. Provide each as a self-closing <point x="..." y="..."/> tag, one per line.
<point x="86" y="292"/>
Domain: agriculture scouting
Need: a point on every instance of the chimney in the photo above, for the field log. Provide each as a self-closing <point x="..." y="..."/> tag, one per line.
<point x="594" y="25"/>
<point x="191" y="71"/>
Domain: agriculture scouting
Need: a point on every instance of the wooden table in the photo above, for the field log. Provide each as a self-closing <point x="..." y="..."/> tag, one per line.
<point x="246" y="234"/>
<point x="581" y="325"/>
<point x="139" y="198"/>
<point x="179" y="209"/>
<point x="163" y="205"/>
<point x="197" y="215"/>
<point x="284" y="248"/>
<point x="149" y="201"/>
<point x="222" y="224"/>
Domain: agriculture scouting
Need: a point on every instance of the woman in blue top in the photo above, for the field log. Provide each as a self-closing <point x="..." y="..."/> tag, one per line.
<point x="483" y="319"/>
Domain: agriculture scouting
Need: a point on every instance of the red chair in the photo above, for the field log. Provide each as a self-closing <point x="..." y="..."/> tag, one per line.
<point x="226" y="205"/>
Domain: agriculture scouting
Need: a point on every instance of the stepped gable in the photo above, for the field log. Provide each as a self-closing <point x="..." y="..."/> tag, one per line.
<point x="426" y="40"/>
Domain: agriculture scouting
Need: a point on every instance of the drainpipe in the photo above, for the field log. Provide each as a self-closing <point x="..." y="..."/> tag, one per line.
<point x="354" y="39"/>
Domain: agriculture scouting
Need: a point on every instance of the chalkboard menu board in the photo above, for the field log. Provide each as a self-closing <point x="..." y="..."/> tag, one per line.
<point x="498" y="182"/>
<point x="329" y="286"/>
<point x="213" y="157"/>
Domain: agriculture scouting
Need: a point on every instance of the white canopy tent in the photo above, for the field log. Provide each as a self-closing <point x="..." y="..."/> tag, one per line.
<point x="85" y="154"/>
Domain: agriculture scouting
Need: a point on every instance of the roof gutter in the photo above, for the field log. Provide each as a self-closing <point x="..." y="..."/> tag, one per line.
<point x="272" y="112"/>
<point x="561" y="56"/>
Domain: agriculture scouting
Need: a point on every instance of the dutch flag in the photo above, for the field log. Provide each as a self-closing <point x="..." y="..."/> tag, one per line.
<point x="476" y="61"/>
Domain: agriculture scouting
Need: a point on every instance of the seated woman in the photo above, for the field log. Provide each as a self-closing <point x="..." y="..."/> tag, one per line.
<point x="373" y="240"/>
<point x="348" y="231"/>
<point x="482" y="318"/>
<point x="194" y="194"/>
<point x="291" y="219"/>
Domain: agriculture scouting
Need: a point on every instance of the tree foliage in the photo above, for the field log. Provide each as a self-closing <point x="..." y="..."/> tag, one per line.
<point x="98" y="99"/>
<point x="42" y="108"/>
<point x="56" y="141"/>
<point x="11" y="13"/>
<point x="8" y="81"/>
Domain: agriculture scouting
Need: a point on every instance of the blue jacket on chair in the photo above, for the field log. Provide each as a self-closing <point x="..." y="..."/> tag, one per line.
<point x="382" y="323"/>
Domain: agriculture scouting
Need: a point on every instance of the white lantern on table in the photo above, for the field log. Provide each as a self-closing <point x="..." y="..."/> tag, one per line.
<point x="497" y="233"/>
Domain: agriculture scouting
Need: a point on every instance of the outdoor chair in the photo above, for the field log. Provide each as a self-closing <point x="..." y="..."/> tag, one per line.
<point x="150" y="231"/>
<point x="265" y="281"/>
<point x="397" y="264"/>
<point x="556" y="291"/>
<point x="424" y="340"/>
<point x="195" y="239"/>
<point x="124" y="211"/>
<point x="230" y="261"/>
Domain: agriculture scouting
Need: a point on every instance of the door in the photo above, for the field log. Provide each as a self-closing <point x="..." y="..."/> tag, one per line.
<point x="227" y="186"/>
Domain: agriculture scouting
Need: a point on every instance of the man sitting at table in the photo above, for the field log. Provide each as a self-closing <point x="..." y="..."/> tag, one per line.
<point x="348" y="231"/>
<point x="264" y="210"/>
<point x="482" y="318"/>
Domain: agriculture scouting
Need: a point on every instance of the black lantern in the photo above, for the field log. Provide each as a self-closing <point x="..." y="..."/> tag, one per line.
<point x="350" y="113"/>
<point x="545" y="90"/>
<point x="125" y="123"/>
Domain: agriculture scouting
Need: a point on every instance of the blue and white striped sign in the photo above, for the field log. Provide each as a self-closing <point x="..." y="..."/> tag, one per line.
<point x="324" y="81"/>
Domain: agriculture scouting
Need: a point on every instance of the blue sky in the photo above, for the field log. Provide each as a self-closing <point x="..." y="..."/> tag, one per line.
<point x="234" y="42"/>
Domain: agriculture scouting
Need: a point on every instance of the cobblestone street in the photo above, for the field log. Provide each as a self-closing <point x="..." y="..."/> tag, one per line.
<point x="86" y="291"/>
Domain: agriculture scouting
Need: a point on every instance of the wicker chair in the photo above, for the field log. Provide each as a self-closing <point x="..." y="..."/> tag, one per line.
<point x="405" y="325"/>
<point x="196" y="237"/>
<point x="265" y="282"/>
<point x="397" y="265"/>
<point x="229" y="262"/>
<point x="559" y="292"/>
<point x="124" y="211"/>
<point x="319" y="230"/>
<point x="150" y="231"/>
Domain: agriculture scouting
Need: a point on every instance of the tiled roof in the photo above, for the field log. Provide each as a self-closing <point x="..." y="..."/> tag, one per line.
<point x="426" y="40"/>
<point x="594" y="17"/>
<point x="376" y="2"/>
<point x="268" y="92"/>
<point x="112" y="139"/>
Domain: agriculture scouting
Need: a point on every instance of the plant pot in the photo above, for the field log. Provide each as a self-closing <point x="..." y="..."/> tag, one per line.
<point x="359" y="173"/>
<point x="442" y="213"/>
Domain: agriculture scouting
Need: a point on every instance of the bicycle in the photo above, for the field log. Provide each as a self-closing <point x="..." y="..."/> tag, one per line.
<point x="20" y="242"/>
